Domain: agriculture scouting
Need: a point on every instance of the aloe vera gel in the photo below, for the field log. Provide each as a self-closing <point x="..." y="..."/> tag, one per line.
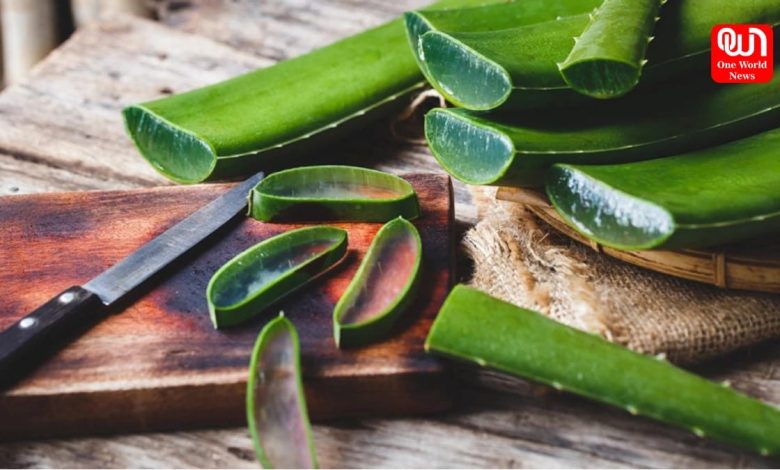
<point x="260" y="276"/>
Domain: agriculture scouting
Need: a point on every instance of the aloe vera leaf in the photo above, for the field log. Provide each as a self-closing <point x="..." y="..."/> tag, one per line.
<point x="607" y="58"/>
<point x="487" y="16"/>
<point x="517" y="68"/>
<point x="333" y="193"/>
<point x="513" y="68"/>
<point x="383" y="287"/>
<point x="712" y="196"/>
<point x="275" y="400"/>
<point x="262" y="119"/>
<point x="517" y="151"/>
<point x="475" y="327"/>
<point x="265" y="273"/>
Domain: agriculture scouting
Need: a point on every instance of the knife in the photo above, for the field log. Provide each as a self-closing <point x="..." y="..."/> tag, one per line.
<point x="79" y="307"/>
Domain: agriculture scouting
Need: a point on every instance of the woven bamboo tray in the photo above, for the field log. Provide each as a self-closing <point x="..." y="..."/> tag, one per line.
<point x="749" y="266"/>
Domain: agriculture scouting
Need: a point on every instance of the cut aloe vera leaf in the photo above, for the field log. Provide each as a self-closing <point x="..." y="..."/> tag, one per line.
<point x="474" y="327"/>
<point x="517" y="151"/>
<point x="333" y="193"/>
<point x="275" y="400"/>
<point x="712" y="196"/>
<point x="270" y="270"/>
<point x="488" y="16"/>
<point x="517" y="68"/>
<point x="383" y="287"/>
<point x="607" y="58"/>
<point x="513" y="67"/>
<point x="262" y="119"/>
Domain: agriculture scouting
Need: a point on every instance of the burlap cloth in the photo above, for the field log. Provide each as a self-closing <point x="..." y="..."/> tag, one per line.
<point x="521" y="260"/>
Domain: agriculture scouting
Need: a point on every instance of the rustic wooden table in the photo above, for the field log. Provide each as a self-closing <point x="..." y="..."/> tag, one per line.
<point x="61" y="131"/>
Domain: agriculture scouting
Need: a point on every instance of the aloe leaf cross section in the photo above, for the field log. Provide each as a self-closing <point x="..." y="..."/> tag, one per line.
<point x="607" y="58"/>
<point x="518" y="68"/>
<point x="712" y="196"/>
<point x="487" y="16"/>
<point x="518" y="150"/>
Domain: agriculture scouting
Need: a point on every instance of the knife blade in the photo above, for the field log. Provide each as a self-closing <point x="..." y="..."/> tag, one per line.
<point x="78" y="307"/>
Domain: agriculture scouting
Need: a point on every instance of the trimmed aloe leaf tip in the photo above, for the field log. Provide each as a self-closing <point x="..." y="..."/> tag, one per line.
<point x="270" y="270"/>
<point x="518" y="67"/>
<point x="607" y="58"/>
<point x="383" y="287"/>
<point x="716" y="195"/>
<point x="333" y="193"/>
<point x="475" y="327"/>
<point x="275" y="400"/>
<point x="518" y="150"/>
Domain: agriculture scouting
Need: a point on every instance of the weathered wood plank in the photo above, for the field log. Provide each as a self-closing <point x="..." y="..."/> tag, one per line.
<point x="528" y="430"/>
<point x="68" y="114"/>
<point x="18" y="176"/>
<point x="280" y="29"/>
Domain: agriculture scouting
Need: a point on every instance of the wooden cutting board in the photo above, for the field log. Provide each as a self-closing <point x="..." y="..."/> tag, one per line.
<point x="158" y="363"/>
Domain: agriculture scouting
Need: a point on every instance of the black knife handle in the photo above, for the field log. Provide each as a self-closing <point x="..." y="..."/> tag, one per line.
<point x="38" y="333"/>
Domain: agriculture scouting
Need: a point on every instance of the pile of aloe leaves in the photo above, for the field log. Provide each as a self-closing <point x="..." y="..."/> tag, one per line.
<point x="606" y="104"/>
<point x="613" y="112"/>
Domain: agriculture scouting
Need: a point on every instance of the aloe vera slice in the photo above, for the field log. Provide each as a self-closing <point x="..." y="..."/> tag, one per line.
<point x="260" y="120"/>
<point x="708" y="197"/>
<point x="475" y="327"/>
<point x="334" y="193"/>
<point x="275" y="400"/>
<point x="270" y="270"/>
<point x="518" y="150"/>
<point x="607" y="59"/>
<point x="382" y="288"/>
<point x="518" y="67"/>
<point x="487" y="16"/>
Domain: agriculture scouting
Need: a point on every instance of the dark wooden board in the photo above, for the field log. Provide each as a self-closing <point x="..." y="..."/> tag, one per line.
<point x="157" y="363"/>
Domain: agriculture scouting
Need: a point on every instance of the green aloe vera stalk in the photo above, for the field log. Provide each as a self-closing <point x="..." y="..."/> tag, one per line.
<point x="261" y="119"/>
<point x="607" y="59"/>
<point x="708" y="197"/>
<point x="333" y="193"/>
<point x="270" y="270"/>
<point x="517" y="151"/>
<point x="275" y="400"/>
<point x="383" y="287"/>
<point x="517" y="68"/>
<point x="488" y="16"/>
<point x="510" y="68"/>
<point x="475" y="327"/>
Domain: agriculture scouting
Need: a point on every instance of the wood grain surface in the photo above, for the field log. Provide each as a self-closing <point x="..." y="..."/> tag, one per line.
<point x="119" y="61"/>
<point x="157" y="362"/>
